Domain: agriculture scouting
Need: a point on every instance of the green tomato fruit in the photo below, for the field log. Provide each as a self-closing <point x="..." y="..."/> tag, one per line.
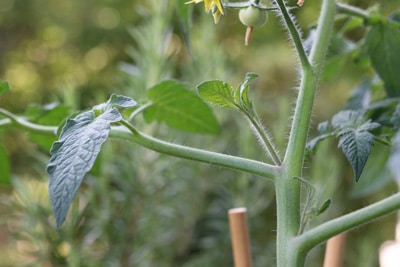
<point x="253" y="16"/>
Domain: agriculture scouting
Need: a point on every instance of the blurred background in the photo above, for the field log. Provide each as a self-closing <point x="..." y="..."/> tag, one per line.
<point x="139" y="208"/>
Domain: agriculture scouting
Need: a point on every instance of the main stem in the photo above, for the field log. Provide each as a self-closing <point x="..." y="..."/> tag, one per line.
<point x="287" y="187"/>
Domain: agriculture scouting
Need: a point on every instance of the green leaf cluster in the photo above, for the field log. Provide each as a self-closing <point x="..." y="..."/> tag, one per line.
<point x="354" y="136"/>
<point x="82" y="137"/>
<point x="221" y="94"/>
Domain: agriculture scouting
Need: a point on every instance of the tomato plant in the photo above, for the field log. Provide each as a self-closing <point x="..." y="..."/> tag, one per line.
<point x="370" y="116"/>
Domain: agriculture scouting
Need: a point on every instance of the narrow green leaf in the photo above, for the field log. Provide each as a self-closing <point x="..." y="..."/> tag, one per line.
<point x="382" y="44"/>
<point x="5" y="167"/>
<point x="243" y="91"/>
<point x="323" y="207"/>
<point x="74" y="154"/>
<point x="356" y="145"/>
<point x="217" y="93"/>
<point x="180" y="108"/>
<point x="4" y="87"/>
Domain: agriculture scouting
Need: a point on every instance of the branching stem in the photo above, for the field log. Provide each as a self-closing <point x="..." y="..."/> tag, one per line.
<point x="323" y="232"/>
<point x="223" y="160"/>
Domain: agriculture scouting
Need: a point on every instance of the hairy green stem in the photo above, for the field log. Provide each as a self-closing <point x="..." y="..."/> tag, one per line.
<point x="287" y="187"/>
<point x="294" y="33"/>
<point x="223" y="160"/>
<point x="323" y="232"/>
<point x="263" y="136"/>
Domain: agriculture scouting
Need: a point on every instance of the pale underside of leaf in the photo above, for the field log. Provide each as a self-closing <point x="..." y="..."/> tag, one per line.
<point x="74" y="155"/>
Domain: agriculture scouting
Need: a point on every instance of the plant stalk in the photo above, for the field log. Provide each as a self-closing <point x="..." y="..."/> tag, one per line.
<point x="323" y="232"/>
<point x="287" y="187"/>
<point x="180" y="151"/>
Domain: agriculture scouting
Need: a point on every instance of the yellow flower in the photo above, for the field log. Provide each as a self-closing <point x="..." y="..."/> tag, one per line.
<point x="214" y="5"/>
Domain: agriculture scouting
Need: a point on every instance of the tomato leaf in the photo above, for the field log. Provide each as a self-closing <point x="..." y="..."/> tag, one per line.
<point x="174" y="104"/>
<point x="356" y="145"/>
<point x="217" y="93"/>
<point x="355" y="140"/>
<point x="353" y="132"/>
<point x="382" y="45"/>
<point x="75" y="152"/>
<point x="241" y="94"/>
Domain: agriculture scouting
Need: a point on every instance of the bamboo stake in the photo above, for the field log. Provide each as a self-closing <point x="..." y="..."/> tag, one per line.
<point x="240" y="237"/>
<point x="334" y="251"/>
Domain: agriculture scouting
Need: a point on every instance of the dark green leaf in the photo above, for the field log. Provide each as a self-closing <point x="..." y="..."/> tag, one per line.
<point x="4" y="87"/>
<point x="355" y="140"/>
<point x="356" y="145"/>
<point x="5" y="167"/>
<point x="217" y="93"/>
<point x="73" y="155"/>
<point x="180" y="108"/>
<point x="382" y="45"/>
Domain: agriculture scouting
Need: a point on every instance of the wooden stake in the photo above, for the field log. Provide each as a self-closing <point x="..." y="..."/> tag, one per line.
<point x="334" y="251"/>
<point x="240" y="237"/>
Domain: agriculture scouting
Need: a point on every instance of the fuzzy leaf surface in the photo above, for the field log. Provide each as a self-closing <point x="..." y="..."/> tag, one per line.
<point x="353" y="132"/>
<point x="356" y="145"/>
<point x="74" y="154"/>
<point x="180" y="108"/>
<point x="217" y="93"/>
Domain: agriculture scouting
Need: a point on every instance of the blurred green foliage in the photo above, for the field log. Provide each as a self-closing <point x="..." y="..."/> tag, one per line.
<point x="139" y="208"/>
